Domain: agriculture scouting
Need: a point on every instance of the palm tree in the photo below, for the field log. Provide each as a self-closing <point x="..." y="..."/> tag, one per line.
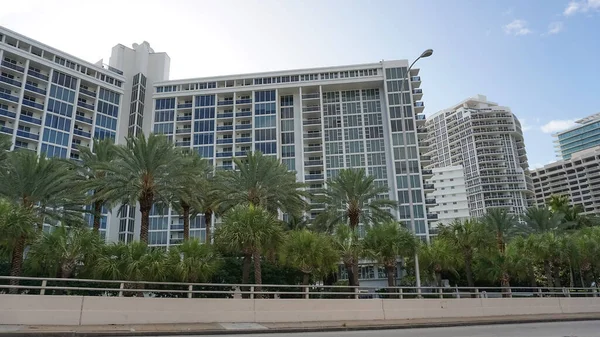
<point x="60" y="252"/>
<point x="387" y="243"/>
<point x="466" y="237"/>
<point x="573" y="217"/>
<point x="438" y="257"/>
<point x="502" y="224"/>
<point x="353" y="197"/>
<point x="211" y="200"/>
<point x="196" y="171"/>
<point x="546" y="250"/>
<point x="193" y="262"/>
<point x="5" y="144"/>
<point x="47" y="188"/>
<point x="102" y="155"/>
<point x="145" y="171"/>
<point x="558" y="203"/>
<point x="541" y="220"/>
<point x="587" y="242"/>
<point x="349" y="248"/>
<point x="17" y="228"/>
<point x="309" y="252"/>
<point x="251" y="231"/>
<point x="521" y="251"/>
<point x="493" y="265"/>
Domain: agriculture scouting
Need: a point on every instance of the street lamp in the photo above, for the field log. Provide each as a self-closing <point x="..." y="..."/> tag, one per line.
<point x="424" y="54"/>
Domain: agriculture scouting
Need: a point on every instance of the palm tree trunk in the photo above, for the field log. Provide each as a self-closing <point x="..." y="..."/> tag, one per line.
<point x="305" y="279"/>
<point x="355" y="271"/>
<point x="350" y="272"/>
<point x="257" y="272"/>
<point x="186" y="220"/>
<point x="207" y="223"/>
<point x="548" y="272"/>
<point x="389" y="272"/>
<point x="438" y="278"/>
<point x="246" y="263"/>
<point x="532" y="280"/>
<point x="16" y="263"/>
<point x="581" y="278"/>
<point x="500" y="242"/>
<point x="469" y="272"/>
<point x="97" y="214"/>
<point x="145" y="207"/>
<point x="571" y="276"/>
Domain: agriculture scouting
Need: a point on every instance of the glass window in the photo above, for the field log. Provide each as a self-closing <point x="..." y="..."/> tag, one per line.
<point x="205" y="113"/>
<point x="204" y="138"/>
<point x="265" y="121"/>
<point x="200" y="126"/>
<point x="287" y="125"/>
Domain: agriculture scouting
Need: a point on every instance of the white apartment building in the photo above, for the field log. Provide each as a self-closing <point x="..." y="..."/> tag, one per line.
<point x="487" y="141"/>
<point x="577" y="178"/>
<point x="318" y="121"/>
<point x="448" y="200"/>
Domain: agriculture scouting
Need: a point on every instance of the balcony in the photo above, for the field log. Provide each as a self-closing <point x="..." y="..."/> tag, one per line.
<point x="225" y="102"/>
<point x="419" y="105"/>
<point x="39" y="75"/>
<point x="6" y="130"/>
<point x="225" y="141"/>
<point x="312" y="135"/>
<point x="34" y="104"/>
<point x="241" y="153"/>
<point x="420" y="117"/>
<point x="244" y="140"/>
<point x="311" y="96"/>
<point x="313" y="163"/>
<point x="314" y="177"/>
<point x="243" y="126"/>
<point x="85" y="105"/>
<point x="313" y="149"/>
<point x="430" y="202"/>
<point x="4" y="112"/>
<point x="10" y="81"/>
<point x="9" y="97"/>
<point x="87" y="92"/>
<point x="428" y="186"/>
<point x="244" y="101"/>
<point x="311" y="108"/>
<point x="311" y="122"/>
<point x="243" y="114"/>
<point x="417" y="91"/>
<point x="427" y="172"/>
<point x="184" y="105"/>
<point x="82" y="133"/>
<point x="426" y="158"/>
<point x="13" y="66"/>
<point x="421" y="130"/>
<point x="186" y="130"/>
<point x="27" y="134"/>
<point x="176" y="241"/>
<point x="415" y="79"/>
<point x="225" y="167"/>
<point x="184" y="143"/>
<point x="184" y="118"/>
<point x="224" y="154"/>
<point x="84" y="119"/>
<point x="225" y="115"/>
<point x="224" y="127"/>
<point x="30" y="119"/>
<point x="432" y="216"/>
<point x="35" y="89"/>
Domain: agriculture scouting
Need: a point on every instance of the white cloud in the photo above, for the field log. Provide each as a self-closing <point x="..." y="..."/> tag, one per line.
<point x="557" y="125"/>
<point x="582" y="6"/>
<point x="517" y="27"/>
<point x="524" y="126"/>
<point x="555" y="28"/>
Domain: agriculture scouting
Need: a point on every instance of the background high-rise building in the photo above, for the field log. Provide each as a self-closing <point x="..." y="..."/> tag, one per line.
<point x="448" y="199"/>
<point x="577" y="178"/>
<point x="578" y="138"/>
<point x="487" y="141"/>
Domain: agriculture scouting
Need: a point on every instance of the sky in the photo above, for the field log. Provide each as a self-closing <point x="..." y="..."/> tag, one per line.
<point x="538" y="57"/>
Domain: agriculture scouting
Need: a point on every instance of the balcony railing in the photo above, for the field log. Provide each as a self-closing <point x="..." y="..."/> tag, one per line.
<point x="311" y="122"/>
<point x="4" y="112"/>
<point x="224" y="127"/>
<point x="311" y="108"/>
<point x="225" y="167"/>
<point x="428" y="186"/>
<point x="224" y="154"/>
<point x="10" y="81"/>
<point x="225" y="115"/>
<point x="184" y="118"/>
<point x="243" y="101"/>
<point x="184" y="106"/>
<point x="186" y="130"/>
<point x="9" y="97"/>
<point x="415" y="78"/>
<point x="225" y="141"/>
<point x="82" y="133"/>
<point x="314" y="177"/>
<point x="313" y="149"/>
<point x="13" y="66"/>
<point x="31" y="119"/>
<point x="84" y="119"/>
<point x="6" y="130"/>
<point x="241" y="153"/>
<point x="420" y="117"/>
<point x="85" y="105"/>
<point x="38" y="75"/>
<point x="243" y="140"/>
<point x="186" y="143"/>
<point x="313" y="135"/>
<point x="243" y="126"/>
<point x="432" y="216"/>
<point x="422" y="130"/>
<point x="243" y="114"/>
<point x="34" y="104"/>
<point x="87" y="92"/>
<point x="311" y="96"/>
<point x="27" y="134"/>
<point x="419" y="104"/>
<point x="417" y="91"/>
<point x="430" y="202"/>
<point x="35" y="89"/>
<point x="313" y="163"/>
<point x="226" y="102"/>
<point x="427" y="172"/>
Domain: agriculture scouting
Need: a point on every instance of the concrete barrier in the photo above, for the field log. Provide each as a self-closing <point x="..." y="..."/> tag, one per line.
<point x="78" y="310"/>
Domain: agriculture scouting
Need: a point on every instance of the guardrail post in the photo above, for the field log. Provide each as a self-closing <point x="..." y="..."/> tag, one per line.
<point x="306" y="293"/>
<point x="477" y="293"/>
<point x="121" y="287"/>
<point x="457" y="293"/>
<point x="190" y="287"/>
<point x="441" y="293"/>
<point x="43" y="290"/>
<point x="355" y="293"/>
<point x="540" y="292"/>
<point x="566" y="292"/>
<point x="252" y="292"/>
<point x="595" y="290"/>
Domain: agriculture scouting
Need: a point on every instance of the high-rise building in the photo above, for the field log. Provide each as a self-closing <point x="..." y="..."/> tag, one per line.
<point x="577" y="178"/>
<point x="448" y="198"/>
<point x="583" y="136"/>
<point x="487" y="141"/>
<point x="318" y="121"/>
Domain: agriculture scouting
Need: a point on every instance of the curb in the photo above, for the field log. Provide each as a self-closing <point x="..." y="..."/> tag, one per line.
<point x="420" y="325"/>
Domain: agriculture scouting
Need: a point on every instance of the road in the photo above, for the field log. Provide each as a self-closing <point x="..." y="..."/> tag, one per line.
<point x="558" y="329"/>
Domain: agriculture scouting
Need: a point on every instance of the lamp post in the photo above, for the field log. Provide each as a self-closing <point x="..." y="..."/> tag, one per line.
<point x="424" y="54"/>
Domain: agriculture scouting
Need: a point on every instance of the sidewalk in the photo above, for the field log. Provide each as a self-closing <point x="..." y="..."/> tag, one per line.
<point x="246" y="328"/>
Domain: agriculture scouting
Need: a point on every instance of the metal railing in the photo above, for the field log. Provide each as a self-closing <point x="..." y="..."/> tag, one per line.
<point x="120" y="288"/>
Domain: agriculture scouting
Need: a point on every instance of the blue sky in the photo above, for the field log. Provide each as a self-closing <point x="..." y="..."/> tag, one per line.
<point x="539" y="57"/>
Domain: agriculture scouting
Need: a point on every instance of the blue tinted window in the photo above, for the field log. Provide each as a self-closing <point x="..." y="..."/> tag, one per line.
<point x="107" y="108"/>
<point x="58" y="122"/>
<point x="164" y="116"/>
<point x="52" y="151"/>
<point x="103" y="134"/>
<point x="61" y="93"/>
<point x="56" y="137"/>
<point x="200" y="126"/>
<point x="205" y="151"/>
<point x="106" y="122"/>
<point x="266" y="147"/>
<point x="165" y="128"/>
<point x="60" y="108"/>
<point x="265" y="121"/>
<point x="265" y="109"/>
<point x="109" y="96"/>
<point x="165" y="103"/>
<point x="265" y="96"/>
<point x="204" y="138"/>
<point x="64" y="80"/>
<point x="205" y="100"/>
<point x="205" y="113"/>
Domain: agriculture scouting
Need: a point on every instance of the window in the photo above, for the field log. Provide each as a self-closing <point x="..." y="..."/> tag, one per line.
<point x="355" y="133"/>
<point x="56" y="137"/>
<point x="287" y="125"/>
<point x="374" y="132"/>
<point x="265" y="121"/>
<point x="264" y="96"/>
<point x="109" y="96"/>
<point x="287" y="138"/>
<point x="266" y="147"/>
<point x="64" y="80"/>
<point x="107" y="108"/>
<point x="164" y="116"/>
<point x="204" y="151"/>
<point x="54" y="151"/>
<point x="267" y="134"/>
<point x="108" y="122"/>
<point x="334" y="161"/>
<point x="354" y="147"/>
<point x="354" y="120"/>
<point x="265" y="109"/>
<point x="100" y="133"/>
<point x="61" y="93"/>
<point x="287" y="113"/>
<point x="205" y="100"/>
<point x="287" y="100"/>
<point x="205" y="113"/>
<point x="58" y="122"/>
<point x="290" y="163"/>
<point x="288" y="151"/>
<point x="204" y="138"/>
<point x="333" y="148"/>
<point x="60" y="108"/>
<point x="163" y="128"/>
<point x="355" y="160"/>
<point x="200" y="126"/>
<point x="164" y="103"/>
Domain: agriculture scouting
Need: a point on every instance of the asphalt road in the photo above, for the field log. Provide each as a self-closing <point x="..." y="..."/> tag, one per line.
<point x="558" y="329"/>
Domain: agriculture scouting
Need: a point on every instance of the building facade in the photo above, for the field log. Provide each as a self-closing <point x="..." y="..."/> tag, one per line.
<point x="577" y="178"/>
<point x="487" y="141"/>
<point x="448" y="200"/>
<point x="584" y="136"/>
